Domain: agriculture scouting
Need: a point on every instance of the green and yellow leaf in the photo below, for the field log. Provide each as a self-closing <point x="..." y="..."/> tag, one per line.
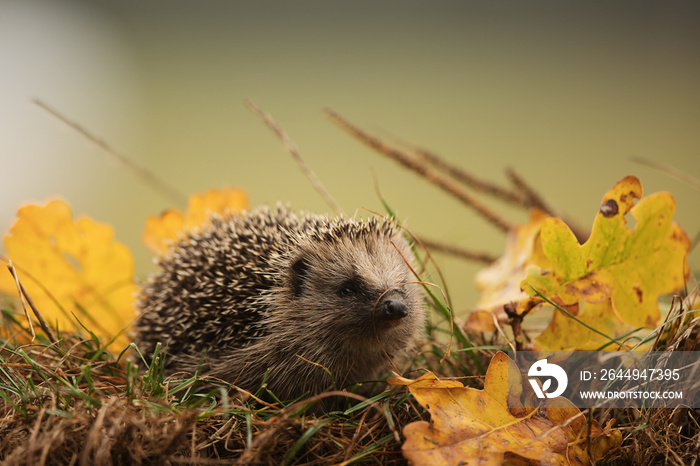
<point x="613" y="280"/>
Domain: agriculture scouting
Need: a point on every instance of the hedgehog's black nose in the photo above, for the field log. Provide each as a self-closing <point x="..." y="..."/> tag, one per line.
<point x="395" y="309"/>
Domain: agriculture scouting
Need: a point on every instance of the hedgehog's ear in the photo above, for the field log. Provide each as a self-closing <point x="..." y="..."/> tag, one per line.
<point x="299" y="273"/>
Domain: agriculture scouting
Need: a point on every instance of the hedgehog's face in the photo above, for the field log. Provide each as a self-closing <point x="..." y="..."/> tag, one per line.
<point x="358" y="290"/>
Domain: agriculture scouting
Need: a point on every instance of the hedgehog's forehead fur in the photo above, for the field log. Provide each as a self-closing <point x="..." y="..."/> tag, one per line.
<point x="345" y="249"/>
<point x="370" y="257"/>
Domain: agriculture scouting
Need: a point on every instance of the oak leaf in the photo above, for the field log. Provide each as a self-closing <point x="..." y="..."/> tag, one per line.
<point x="162" y="231"/>
<point x="476" y="427"/>
<point x="499" y="283"/>
<point x="614" y="279"/>
<point x="479" y="321"/>
<point x="71" y="267"/>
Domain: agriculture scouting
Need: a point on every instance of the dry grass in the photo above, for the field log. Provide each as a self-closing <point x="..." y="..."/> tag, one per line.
<point x="74" y="402"/>
<point x="667" y="436"/>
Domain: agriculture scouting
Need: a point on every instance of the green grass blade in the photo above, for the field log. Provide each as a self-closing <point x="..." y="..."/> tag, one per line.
<point x="303" y="439"/>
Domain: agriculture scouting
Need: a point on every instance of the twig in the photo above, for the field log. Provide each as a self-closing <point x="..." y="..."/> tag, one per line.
<point x="677" y="174"/>
<point x="26" y="299"/>
<point x="293" y="150"/>
<point x="694" y="242"/>
<point x="670" y="171"/>
<point x="147" y="176"/>
<point x="436" y="246"/>
<point x="420" y="168"/>
<point x="516" y="323"/>
<point x="525" y="195"/>
<point x="534" y="199"/>
<point x="470" y="180"/>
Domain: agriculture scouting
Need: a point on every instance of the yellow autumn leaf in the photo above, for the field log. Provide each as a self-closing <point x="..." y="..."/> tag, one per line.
<point x="499" y="283"/>
<point x="71" y="267"/>
<point x="476" y="427"/>
<point x="479" y="321"/>
<point x="161" y="231"/>
<point x="614" y="279"/>
<point x="564" y="333"/>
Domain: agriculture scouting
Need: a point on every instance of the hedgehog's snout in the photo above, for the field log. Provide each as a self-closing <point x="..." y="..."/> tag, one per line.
<point x="394" y="309"/>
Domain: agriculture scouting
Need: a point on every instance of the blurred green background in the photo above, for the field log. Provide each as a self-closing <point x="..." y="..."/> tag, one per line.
<point x="564" y="92"/>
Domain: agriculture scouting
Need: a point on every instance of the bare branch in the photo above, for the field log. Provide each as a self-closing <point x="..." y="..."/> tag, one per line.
<point x="148" y="177"/>
<point x="470" y="180"/>
<point x="534" y="200"/>
<point x="670" y="171"/>
<point x="532" y="197"/>
<point x="293" y="150"/>
<point x="421" y="168"/>
<point x="462" y="253"/>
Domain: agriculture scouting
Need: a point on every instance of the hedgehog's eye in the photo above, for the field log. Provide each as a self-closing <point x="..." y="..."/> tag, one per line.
<point x="348" y="288"/>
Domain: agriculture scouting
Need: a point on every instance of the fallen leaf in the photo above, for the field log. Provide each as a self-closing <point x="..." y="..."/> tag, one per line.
<point x="476" y="427"/>
<point x="617" y="275"/>
<point x="162" y="231"/>
<point x="71" y="267"/>
<point x="499" y="283"/>
<point x="564" y="333"/>
<point x="479" y="321"/>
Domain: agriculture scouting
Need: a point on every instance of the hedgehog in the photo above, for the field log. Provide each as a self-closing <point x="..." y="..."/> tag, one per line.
<point x="302" y="303"/>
